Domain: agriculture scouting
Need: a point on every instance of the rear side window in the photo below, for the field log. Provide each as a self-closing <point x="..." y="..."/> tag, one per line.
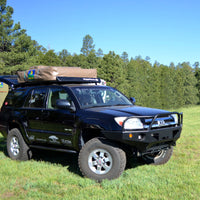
<point x="15" y="98"/>
<point x="36" y="98"/>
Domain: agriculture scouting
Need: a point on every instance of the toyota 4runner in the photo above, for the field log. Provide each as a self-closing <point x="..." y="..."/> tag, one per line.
<point x="78" y="115"/>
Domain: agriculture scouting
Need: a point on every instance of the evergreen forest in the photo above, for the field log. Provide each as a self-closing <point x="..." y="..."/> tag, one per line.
<point x="153" y="85"/>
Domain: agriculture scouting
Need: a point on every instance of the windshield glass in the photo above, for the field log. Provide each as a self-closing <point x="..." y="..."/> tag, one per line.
<point x="99" y="97"/>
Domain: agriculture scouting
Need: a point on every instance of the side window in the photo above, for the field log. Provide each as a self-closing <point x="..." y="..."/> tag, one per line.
<point x="55" y="94"/>
<point x="37" y="98"/>
<point x="15" y="98"/>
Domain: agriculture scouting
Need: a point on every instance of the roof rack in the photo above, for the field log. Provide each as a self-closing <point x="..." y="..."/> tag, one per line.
<point x="77" y="80"/>
<point x="12" y="81"/>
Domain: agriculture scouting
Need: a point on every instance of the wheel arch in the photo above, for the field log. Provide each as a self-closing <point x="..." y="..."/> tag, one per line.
<point x="89" y="128"/>
<point x="87" y="134"/>
<point x="15" y="124"/>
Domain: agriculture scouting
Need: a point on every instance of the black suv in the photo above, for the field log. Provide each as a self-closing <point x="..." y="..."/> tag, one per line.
<point x="78" y="115"/>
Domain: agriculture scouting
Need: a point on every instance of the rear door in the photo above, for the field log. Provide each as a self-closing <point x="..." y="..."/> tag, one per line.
<point x="33" y="108"/>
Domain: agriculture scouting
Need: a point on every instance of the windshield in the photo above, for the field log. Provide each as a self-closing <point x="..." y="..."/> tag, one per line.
<point x="99" y="97"/>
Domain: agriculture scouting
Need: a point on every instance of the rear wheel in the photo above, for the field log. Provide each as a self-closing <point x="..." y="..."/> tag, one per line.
<point x="99" y="159"/>
<point x="16" y="147"/>
<point x="159" y="158"/>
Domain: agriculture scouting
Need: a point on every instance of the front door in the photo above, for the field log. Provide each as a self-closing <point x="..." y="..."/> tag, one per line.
<point x="58" y="124"/>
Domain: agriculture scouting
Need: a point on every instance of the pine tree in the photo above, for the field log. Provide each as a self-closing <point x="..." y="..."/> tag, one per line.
<point x="88" y="45"/>
<point x="17" y="50"/>
<point x="197" y="75"/>
<point x="179" y="85"/>
<point x="62" y="55"/>
<point x="154" y="82"/>
<point x="168" y="86"/>
<point x="124" y="57"/>
<point x="50" y="59"/>
<point x="111" y="69"/>
<point x="189" y="86"/>
<point x="99" y="53"/>
<point x="137" y="76"/>
<point x="7" y="29"/>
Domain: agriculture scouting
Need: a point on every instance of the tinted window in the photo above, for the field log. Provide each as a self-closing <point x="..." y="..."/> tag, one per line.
<point x="55" y="94"/>
<point x="99" y="96"/>
<point x="36" y="98"/>
<point x="15" y="98"/>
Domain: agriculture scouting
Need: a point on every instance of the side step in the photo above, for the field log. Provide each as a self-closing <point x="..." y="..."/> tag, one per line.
<point x="52" y="149"/>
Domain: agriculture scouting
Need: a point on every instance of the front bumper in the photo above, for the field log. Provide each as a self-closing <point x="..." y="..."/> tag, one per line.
<point x="152" y="139"/>
<point x="147" y="141"/>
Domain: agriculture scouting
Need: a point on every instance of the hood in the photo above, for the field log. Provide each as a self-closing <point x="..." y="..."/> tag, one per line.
<point x="127" y="111"/>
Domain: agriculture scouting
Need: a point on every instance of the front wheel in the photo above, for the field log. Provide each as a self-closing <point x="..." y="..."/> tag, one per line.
<point x="16" y="147"/>
<point x="99" y="159"/>
<point x="159" y="158"/>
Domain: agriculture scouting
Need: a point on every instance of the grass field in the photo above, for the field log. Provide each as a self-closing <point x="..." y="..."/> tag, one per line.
<point x="56" y="176"/>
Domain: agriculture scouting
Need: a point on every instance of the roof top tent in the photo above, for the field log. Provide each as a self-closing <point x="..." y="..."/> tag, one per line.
<point x="12" y="81"/>
<point x="44" y="75"/>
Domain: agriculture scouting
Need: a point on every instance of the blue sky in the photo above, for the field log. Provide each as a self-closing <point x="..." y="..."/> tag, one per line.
<point x="165" y="30"/>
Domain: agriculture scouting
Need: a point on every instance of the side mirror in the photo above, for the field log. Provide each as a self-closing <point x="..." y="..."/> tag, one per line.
<point x="132" y="99"/>
<point x="64" y="104"/>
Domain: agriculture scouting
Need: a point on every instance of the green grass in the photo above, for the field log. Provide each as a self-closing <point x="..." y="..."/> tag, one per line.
<point x="56" y="176"/>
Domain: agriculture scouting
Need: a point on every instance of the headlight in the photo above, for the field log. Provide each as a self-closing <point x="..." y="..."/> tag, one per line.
<point x="133" y="123"/>
<point x="175" y="116"/>
<point x="130" y="124"/>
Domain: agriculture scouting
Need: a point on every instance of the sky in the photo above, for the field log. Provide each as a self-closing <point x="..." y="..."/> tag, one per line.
<point x="164" y="30"/>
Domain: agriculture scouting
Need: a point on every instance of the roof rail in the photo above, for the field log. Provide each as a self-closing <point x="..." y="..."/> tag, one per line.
<point x="12" y="81"/>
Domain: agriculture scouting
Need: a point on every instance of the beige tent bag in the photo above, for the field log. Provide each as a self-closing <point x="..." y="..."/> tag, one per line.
<point x="49" y="73"/>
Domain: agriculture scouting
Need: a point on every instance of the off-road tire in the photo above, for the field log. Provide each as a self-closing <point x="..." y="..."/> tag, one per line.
<point x="16" y="146"/>
<point x="100" y="159"/>
<point x="159" y="158"/>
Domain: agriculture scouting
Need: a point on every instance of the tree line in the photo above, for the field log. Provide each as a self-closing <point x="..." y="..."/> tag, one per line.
<point x="153" y="85"/>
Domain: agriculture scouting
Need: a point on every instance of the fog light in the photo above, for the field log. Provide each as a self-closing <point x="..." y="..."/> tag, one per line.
<point x="139" y="137"/>
<point x="130" y="135"/>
